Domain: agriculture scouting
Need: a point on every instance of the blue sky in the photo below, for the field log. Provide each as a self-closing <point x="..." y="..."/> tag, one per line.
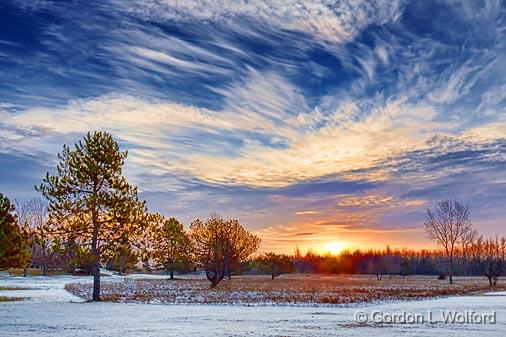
<point x="309" y="121"/>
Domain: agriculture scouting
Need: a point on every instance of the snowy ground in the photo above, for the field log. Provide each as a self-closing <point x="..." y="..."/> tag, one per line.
<point x="292" y="289"/>
<point x="51" y="311"/>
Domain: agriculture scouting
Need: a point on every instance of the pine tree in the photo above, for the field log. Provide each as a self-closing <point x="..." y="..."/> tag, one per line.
<point x="14" y="250"/>
<point x="91" y="201"/>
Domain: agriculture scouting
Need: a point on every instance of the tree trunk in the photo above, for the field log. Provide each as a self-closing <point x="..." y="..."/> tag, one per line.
<point x="96" y="256"/>
<point x="171" y="268"/>
<point x="96" y="280"/>
<point x="44" y="262"/>
<point x="121" y="264"/>
<point x="25" y="269"/>
<point x="489" y="280"/>
<point x="450" y="269"/>
<point x="272" y="276"/>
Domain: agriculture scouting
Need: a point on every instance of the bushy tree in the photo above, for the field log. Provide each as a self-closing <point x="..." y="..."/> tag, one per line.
<point x="220" y="245"/>
<point x="91" y="200"/>
<point x="72" y="252"/>
<point x="274" y="264"/>
<point x="241" y="245"/>
<point x="14" y="249"/>
<point x="170" y="244"/>
<point x="124" y="258"/>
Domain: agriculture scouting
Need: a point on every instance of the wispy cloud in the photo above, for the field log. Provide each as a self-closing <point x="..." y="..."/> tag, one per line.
<point x="334" y="22"/>
<point x="295" y="116"/>
<point x="305" y="212"/>
<point x="272" y="146"/>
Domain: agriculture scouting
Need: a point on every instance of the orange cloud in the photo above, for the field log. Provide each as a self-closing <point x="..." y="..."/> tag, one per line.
<point x="305" y="212"/>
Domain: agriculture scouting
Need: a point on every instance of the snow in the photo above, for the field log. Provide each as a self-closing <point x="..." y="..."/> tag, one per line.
<point x="496" y="293"/>
<point x="41" y="288"/>
<point x="51" y="311"/>
<point x="293" y="289"/>
<point x="106" y="272"/>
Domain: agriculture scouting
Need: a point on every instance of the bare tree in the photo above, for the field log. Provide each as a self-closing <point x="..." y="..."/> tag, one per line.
<point x="490" y="256"/>
<point x="33" y="217"/>
<point x="449" y="225"/>
<point x="465" y="253"/>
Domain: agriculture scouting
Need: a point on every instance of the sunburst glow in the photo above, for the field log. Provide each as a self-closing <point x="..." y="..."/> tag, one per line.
<point x="334" y="247"/>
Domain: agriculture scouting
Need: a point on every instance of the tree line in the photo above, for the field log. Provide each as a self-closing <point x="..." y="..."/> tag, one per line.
<point x="485" y="257"/>
<point x="90" y="216"/>
<point x="463" y="252"/>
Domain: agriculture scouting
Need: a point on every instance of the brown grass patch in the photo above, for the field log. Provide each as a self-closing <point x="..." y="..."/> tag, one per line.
<point x="10" y="299"/>
<point x="288" y="289"/>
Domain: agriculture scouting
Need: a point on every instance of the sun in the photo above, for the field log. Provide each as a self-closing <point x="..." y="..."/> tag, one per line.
<point x="334" y="247"/>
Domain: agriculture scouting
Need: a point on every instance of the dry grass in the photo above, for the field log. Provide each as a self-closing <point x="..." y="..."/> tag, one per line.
<point x="10" y="299"/>
<point x="33" y="272"/>
<point x="2" y="288"/>
<point x="288" y="289"/>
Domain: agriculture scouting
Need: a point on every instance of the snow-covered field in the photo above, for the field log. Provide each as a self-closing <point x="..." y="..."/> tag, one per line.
<point x="51" y="311"/>
<point x="290" y="289"/>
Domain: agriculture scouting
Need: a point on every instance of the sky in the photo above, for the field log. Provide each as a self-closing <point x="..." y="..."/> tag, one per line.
<point x="312" y="122"/>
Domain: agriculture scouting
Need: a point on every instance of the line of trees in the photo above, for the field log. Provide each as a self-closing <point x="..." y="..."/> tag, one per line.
<point x="485" y="257"/>
<point x="449" y="224"/>
<point x="91" y="215"/>
<point x="166" y="244"/>
<point x="463" y="252"/>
